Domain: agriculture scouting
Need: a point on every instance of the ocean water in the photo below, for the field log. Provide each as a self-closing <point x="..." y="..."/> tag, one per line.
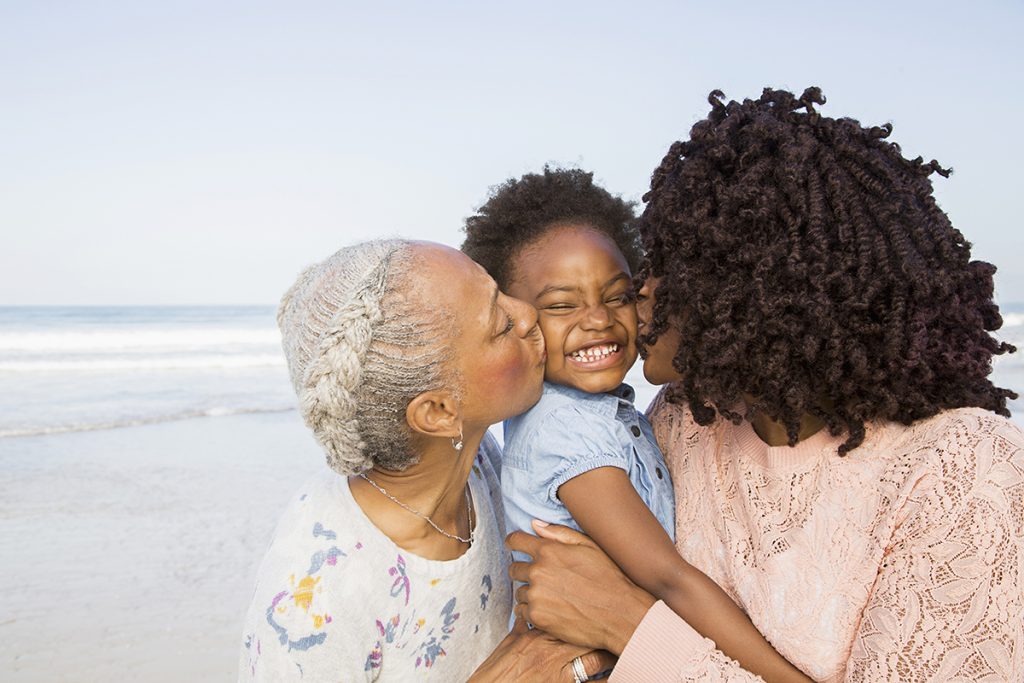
<point x="89" y="368"/>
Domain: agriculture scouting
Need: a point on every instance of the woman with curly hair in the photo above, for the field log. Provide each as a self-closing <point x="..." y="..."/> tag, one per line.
<point x="843" y="466"/>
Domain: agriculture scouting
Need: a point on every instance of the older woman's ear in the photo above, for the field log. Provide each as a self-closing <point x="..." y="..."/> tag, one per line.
<point x="434" y="413"/>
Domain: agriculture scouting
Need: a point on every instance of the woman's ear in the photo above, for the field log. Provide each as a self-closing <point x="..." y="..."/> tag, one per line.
<point x="434" y="413"/>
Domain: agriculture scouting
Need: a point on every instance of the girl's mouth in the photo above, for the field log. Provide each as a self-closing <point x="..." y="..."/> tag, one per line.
<point x="597" y="357"/>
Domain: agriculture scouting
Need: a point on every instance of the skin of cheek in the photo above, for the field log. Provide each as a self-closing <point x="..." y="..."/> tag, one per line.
<point x="658" y="368"/>
<point x="550" y="330"/>
<point x="510" y="379"/>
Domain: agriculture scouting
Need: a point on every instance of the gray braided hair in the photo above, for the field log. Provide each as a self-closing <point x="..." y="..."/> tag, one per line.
<point x="359" y="348"/>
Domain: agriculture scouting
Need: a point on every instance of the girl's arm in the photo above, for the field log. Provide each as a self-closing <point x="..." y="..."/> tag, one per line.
<point x="578" y="594"/>
<point x="607" y="507"/>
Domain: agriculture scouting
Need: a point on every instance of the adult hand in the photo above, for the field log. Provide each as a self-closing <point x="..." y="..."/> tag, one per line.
<point x="574" y="591"/>
<point x="532" y="655"/>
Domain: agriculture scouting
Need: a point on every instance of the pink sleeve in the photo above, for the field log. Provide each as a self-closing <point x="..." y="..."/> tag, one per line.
<point x="666" y="648"/>
<point x="948" y="603"/>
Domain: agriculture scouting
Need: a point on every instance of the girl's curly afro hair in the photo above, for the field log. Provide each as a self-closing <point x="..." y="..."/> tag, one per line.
<point x="521" y="211"/>
<point x="806" y="263"/>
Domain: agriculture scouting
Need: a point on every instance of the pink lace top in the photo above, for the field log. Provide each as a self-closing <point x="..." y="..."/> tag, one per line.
<point x="903" y="560"/>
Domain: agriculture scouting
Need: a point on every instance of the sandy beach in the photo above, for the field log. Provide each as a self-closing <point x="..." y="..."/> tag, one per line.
<point x="132" y="552"/>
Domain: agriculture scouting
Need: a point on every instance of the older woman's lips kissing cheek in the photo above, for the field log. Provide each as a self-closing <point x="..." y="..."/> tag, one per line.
<point x="537" y="337"/>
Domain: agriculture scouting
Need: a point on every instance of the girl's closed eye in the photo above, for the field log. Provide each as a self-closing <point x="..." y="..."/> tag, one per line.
<point x="560" y="307"/>
<point x="622" y="298"/>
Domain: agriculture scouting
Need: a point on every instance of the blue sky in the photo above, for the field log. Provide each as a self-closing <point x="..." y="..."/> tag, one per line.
<point x="204" y="152"/>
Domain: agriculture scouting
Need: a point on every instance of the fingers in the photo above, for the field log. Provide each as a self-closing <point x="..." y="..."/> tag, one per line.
<point x="520" y="613"/>
<point x="562" y="534"/>
<point x="598" y="661"/>
<point x="520" y="625"/>
<point x="528" y="543"/>
<point x="521" y="593"/>
<point x="520" y="571"/>
<point x="523" y="542"/>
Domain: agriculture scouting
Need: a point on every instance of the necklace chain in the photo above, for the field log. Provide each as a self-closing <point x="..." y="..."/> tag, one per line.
<point x="469" y="512"/>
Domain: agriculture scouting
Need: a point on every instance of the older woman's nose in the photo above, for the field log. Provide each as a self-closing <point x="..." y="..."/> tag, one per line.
<point x="525" y="316"/>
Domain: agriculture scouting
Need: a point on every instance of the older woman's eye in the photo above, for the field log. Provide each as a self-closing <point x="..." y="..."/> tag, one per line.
<point x="509" y="324"/>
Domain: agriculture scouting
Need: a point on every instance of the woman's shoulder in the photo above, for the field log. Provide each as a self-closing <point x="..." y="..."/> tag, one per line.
<point x="956" y="432"/>
<point x="967" y="452"/>
<point x="320" y="521"/>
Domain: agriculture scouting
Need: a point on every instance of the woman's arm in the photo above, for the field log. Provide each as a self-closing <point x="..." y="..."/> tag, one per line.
<point x="609" y="510"/>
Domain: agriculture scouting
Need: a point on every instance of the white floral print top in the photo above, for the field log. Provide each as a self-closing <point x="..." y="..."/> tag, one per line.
<point x="336" y="600"/>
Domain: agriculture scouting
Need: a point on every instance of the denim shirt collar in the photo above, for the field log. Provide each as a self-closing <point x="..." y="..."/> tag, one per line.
<point x="605" y="404"/>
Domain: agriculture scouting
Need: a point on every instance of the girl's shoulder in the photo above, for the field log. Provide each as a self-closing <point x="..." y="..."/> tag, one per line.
<point x="562" y="413"/>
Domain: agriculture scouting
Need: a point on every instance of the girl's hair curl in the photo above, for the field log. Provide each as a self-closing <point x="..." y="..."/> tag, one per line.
<point x="521" y="211"/>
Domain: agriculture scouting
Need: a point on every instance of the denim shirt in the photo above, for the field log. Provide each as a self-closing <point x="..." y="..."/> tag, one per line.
<point x="569" y="432"/>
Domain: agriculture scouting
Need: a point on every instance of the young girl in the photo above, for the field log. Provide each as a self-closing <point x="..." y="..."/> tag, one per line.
<point x="583" y="456"/>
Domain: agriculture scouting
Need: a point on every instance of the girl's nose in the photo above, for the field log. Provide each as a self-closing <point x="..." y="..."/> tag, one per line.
<point x="597" y="317"/>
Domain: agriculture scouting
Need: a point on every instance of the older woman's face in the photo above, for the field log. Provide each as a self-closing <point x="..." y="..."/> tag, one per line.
<point x="499" y="350"/>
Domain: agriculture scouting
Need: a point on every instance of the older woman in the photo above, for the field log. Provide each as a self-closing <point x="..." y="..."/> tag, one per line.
<point x="389" y="565"/>
<point x="843" y="466"/>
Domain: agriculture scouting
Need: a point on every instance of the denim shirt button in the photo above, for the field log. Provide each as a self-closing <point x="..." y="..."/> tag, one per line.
<point x="635" y="430"/>
<point x="657" y="471"/>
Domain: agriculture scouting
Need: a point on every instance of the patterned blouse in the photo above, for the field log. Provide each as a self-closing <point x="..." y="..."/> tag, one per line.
<point x="336" y="600"/>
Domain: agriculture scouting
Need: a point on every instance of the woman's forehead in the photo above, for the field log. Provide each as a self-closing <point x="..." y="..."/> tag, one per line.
<point x="446" y="277"/>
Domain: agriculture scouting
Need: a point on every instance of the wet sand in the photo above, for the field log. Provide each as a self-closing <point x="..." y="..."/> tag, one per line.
<point x="130" y="554"/>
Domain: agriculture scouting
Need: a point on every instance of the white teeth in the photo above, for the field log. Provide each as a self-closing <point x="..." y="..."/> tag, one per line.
<point x="594" y="353"/>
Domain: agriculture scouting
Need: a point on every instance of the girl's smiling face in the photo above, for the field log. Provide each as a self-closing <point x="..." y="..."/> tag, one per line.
<point x="580" y="284"/>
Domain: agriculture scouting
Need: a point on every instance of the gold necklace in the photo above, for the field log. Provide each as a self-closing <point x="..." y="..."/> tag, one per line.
<point x="469" y="512"/>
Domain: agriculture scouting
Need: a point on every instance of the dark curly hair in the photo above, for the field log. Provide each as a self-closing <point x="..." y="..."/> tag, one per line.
<point x="519" y="212"/>
<point x="806" y="263"/>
